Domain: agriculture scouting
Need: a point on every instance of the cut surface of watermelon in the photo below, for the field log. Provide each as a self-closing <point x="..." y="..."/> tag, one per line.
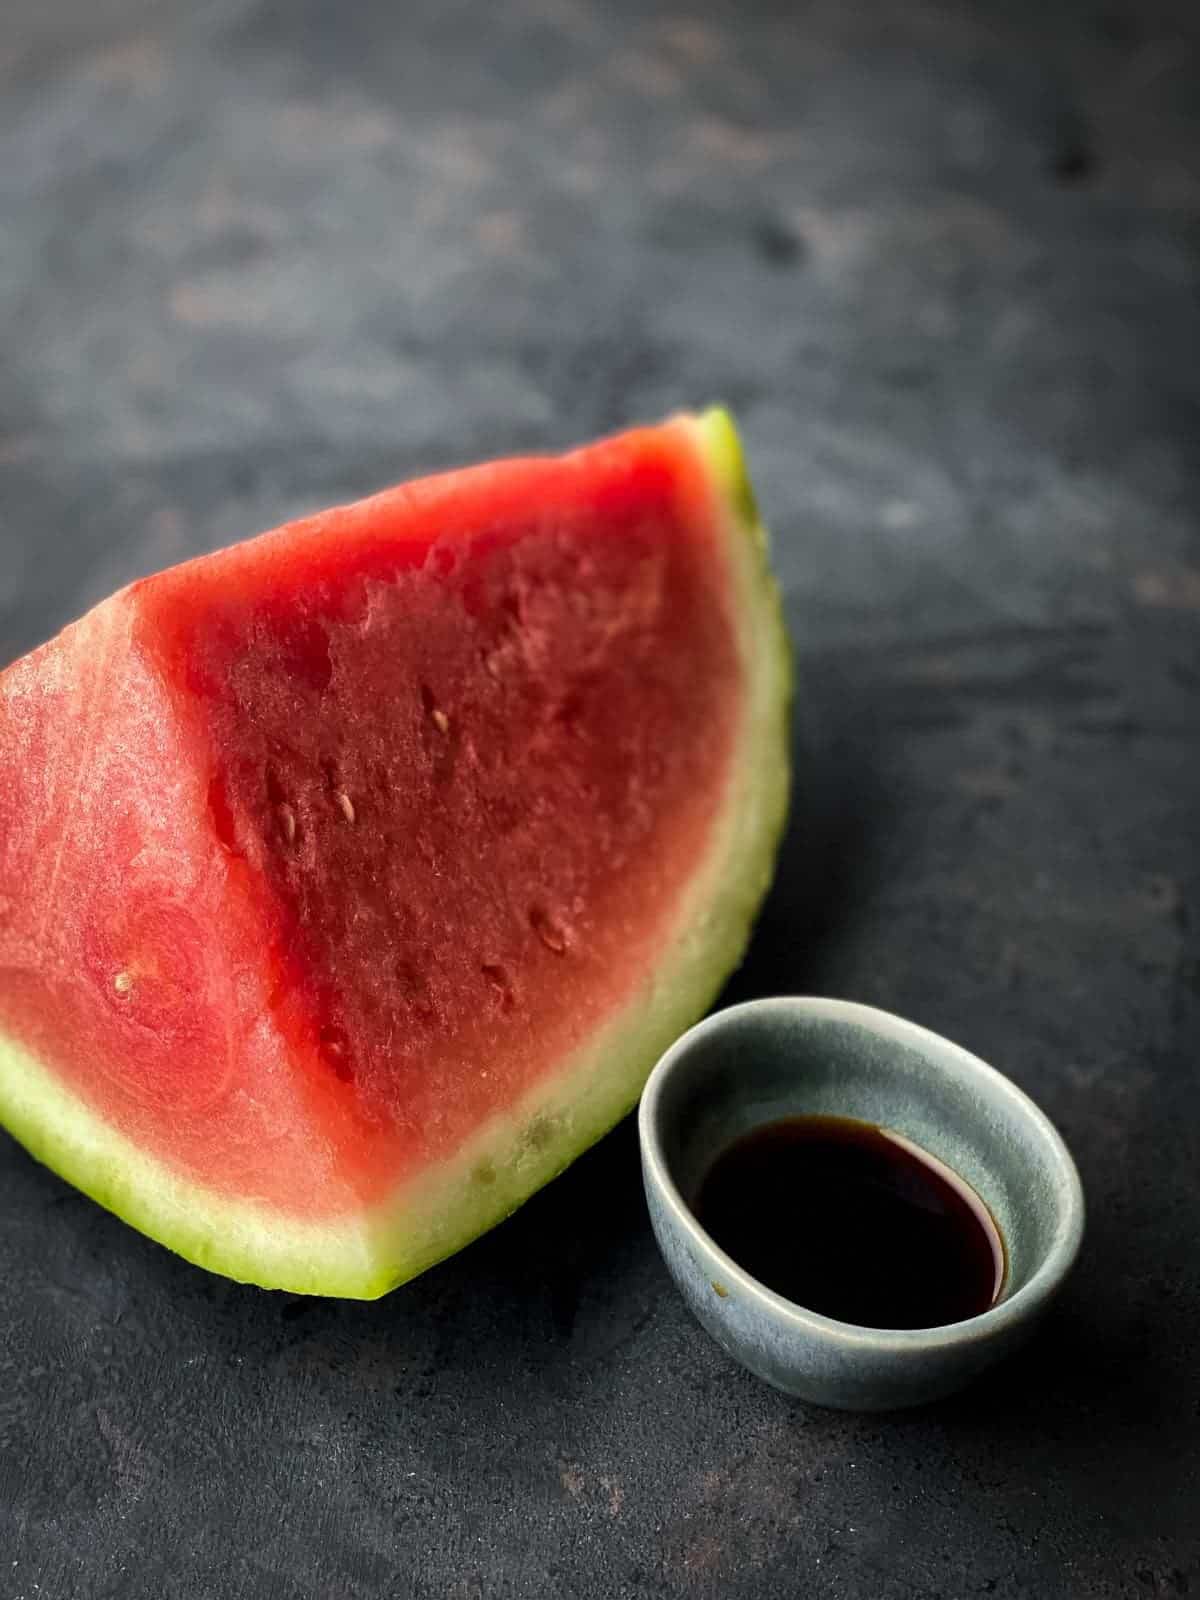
<point x="353" y="878"/>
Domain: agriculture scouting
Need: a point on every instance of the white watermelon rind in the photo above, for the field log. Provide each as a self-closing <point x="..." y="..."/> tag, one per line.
<point x="365" y="1254"/>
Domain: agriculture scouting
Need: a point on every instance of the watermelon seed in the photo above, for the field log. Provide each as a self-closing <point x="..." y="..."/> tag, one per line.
<point x="548" y="931"/>
<point x="430" y="706"/>
<point x="346" y="805"/>
<point x="501" y="987"/>
<point x="287" y="822"/>
<point x="414" y="992"/>
<point x="334" y="1047"/>
<point x="122" y="983"/>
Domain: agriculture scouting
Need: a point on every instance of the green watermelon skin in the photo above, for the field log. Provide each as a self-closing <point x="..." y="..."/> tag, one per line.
<point x="318" y="1029"/>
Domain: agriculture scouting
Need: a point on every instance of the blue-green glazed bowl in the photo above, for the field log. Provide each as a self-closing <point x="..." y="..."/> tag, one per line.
<point x="799" y="1056"/>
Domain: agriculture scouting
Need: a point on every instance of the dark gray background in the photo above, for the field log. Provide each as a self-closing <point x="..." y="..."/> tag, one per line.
<point x="941" y="258"/>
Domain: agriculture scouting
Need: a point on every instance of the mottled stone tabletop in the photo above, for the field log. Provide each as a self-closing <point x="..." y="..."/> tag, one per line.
<point x="942" y="260"/>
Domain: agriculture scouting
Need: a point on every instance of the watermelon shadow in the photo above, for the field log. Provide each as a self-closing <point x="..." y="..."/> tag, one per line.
<point x="827" y="864"/>
<point x="573" y="1272"/>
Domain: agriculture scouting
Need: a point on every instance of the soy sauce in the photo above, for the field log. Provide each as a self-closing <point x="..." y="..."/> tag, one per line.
<point x="853" y="1221"/>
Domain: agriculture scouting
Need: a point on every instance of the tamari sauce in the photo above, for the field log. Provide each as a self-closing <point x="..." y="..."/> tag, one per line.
<point x="853" y="1221"/>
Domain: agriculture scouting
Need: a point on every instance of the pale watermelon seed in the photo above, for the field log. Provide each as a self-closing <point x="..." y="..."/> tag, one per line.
<point x="335" y="1047"/>
<point x="440" y="720"/>
<point x="287" y="822"/>
<point x="498" y="978"/>
<point x="345" y="805"/>
<point x="122" y="983"/>
<point x="548" y="931"/>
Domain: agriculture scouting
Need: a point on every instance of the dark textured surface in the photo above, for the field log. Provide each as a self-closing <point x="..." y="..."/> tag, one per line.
<point x="942" y="260"/>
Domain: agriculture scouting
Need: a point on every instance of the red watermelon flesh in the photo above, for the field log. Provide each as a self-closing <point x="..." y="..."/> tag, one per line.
<point x="352" y="878"/>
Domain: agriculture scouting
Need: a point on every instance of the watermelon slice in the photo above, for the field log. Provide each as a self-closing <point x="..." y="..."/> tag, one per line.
<point x="353" y="878"/>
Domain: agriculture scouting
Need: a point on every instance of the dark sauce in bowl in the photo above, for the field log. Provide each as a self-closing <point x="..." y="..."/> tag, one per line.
<point x="853" y="1221"/>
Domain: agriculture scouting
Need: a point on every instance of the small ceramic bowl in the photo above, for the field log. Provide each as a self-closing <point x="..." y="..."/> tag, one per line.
<point x="796" y="1056"/>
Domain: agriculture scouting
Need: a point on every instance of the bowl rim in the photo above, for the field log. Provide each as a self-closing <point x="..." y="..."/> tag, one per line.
<point x="1016" y="1308"/>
